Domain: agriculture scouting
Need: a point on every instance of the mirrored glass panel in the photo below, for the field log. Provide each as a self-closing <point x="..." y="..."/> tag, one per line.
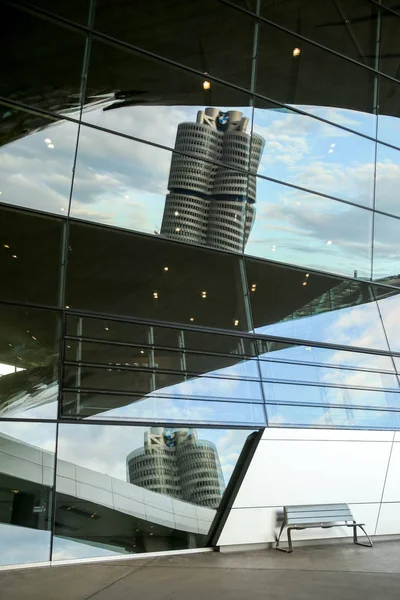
<point x="345" y="27"/>
<point x="313" y="355"/>
<point x="29" y="354"/>
<point x="122" y="407"/>
<point x="113" y="271"/>
<point x="318" y="416"/>
<point x="324" y="375"/>
<point x="199" y="194"/>
<point x="126" y="490"/>
<point x="167" y="385"/>
<point x="301" y="228"/>
<point x="30" y="257"/>
<point x="36" y="160"/>
<point x="336" y="396"/>
<point x="26" y="484"/>
<point x="387" y="179"/>
<point x="296" y="72"/>
<point x="296" y="304"/>
<point x="386" y="250"/>
<point x="196" y="35"/>
<point x="388" y="119"/>
<point x="161" y="98"/>
<point x="75" y="10"/>
<point x="44" y="62"/>
<point x="389" y="307"/>
<point x="313" y="154"/>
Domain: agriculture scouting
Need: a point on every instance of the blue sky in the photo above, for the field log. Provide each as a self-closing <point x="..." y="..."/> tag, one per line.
<point x="121" y="182"/>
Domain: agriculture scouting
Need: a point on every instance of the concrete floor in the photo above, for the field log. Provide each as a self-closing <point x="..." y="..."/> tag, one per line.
<point x="312" y="572"/>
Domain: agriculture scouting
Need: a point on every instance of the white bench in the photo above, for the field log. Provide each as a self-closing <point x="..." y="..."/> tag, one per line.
<point x="318" y="515"/>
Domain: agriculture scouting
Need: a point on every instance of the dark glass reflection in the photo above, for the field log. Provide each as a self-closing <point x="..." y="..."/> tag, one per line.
<point x="29" y="353"/>
<point x="26" y="482"/>
<point x="30" y="257"/>
<point x="305" y="74"/>
<point x="349" y="28"/>
<point x="152" y="278"/>
<point x="36" y="160"/>
<point x="124" y="490"/>
<point x="295" y="304"/>
<point x="44" y="62"/>
<point x="196" y="35"/>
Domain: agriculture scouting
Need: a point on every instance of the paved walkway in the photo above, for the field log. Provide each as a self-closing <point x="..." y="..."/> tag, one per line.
<point x="335" y="572"/>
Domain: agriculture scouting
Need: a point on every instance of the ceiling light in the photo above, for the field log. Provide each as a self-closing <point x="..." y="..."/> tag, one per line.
<point x="236" y="322"/>
<point x="19" y="358"/>
<point x="165" y="268"/>
<point x="68" y="346"/>
<point x="296" y="51"/>
<point x="33" y="337"/>
<point x="67" y="306"/>
<point x="62" y="209"/>
<point x="47" y="141"/>
<point x="14" y="256"/>
<point x="304" y="282"/>
<point x="329" y="242"/>
<point x="176" y="213"/>
<point x="142" y="352"/>
<point x="6" y="246"/>
<point x="204" y="294"/>
<point x="191" y="319"/>
<point x="155" y="295"/>
<point x="51" y="146"/>
<point x="15" y="491"/>
<point x="273" y="248"/>
<point x="307" y="275"/>
<point x="206" y="85"/>
<point x="106" y="328"/>
<point x="10" y="345"/>
<point x="177" y="229"/>
<point x="253" y="287"/>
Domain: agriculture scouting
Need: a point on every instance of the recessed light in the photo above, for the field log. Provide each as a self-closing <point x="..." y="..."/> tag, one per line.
<point x="51" y="146"/>
<point x="67" y="306"/>
<point x="6" y="246"/>
<point x="177" y="229"/>
<point x="236" y="322"/>
<point x="329" y="242"/>
<point x="14" y="256"/>
<point x="204" y="294"/>
<point x="10" y="345"/>
<point x="307" y="275"/>
<point x="47" y="141"/>
<point x="165" y="268"/>
<point x="155" y="295"/>
<point x="106" y="328"/>
<point x="304" y="282"/>
<point x="142" y="352"/>
<point x="191" y="319"/>
<point x="176" y="213"/>
<point x="206" y="85"/>
<point x="296" y="51"/>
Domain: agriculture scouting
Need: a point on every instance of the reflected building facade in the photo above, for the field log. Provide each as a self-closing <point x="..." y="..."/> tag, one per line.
<point x="178" y="464"/>
<point x="199" y="272"/>
<point x="212" y="181"/>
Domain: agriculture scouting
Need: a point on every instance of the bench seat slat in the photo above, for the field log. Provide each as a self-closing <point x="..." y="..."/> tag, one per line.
<point x="308" y="507"/>
<point x="345" y="516"/>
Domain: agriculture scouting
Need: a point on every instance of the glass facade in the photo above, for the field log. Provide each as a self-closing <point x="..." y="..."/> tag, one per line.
<point x="198" y="240"/>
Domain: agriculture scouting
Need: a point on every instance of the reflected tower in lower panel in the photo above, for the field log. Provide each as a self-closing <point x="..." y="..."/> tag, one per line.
<point x="177" y="463"/>
<point x="212" y="182"/>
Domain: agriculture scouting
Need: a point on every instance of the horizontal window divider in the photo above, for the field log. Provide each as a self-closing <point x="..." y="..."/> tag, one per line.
<point x="149" y="395"/>
<point x="119" y="44"/>
<point x="185" y="350"/>
<point x="331" y="405"/>
<point x="158" y="371"/>
<point x="330" y="385"/>
<point x="200" y="424"/>
<point x="325" y="365"/>
<point x="242" y="334"/>
<point x="333" y="426"/>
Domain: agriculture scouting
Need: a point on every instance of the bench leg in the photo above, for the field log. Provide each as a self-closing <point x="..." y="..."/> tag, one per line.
<point x="289" y="536"/>
<point x="355" y="537"/>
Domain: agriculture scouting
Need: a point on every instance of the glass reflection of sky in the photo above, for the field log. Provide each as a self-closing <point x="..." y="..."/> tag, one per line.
<point x="123" y="183"/>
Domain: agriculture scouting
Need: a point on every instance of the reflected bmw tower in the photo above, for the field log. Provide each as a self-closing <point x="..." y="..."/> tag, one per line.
<point x="212" y="181"/>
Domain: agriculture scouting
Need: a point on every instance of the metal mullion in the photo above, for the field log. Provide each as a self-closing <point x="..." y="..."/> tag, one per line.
<point x="329" y="385"/>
